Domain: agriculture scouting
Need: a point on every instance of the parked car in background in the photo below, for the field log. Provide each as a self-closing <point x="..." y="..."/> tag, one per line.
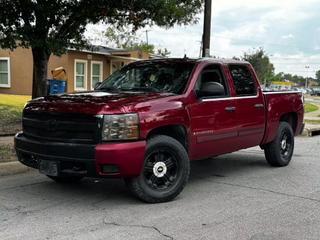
<point x="149" y="119"/>
<point x="309" y="90"/>
<point x="315" y="92"/>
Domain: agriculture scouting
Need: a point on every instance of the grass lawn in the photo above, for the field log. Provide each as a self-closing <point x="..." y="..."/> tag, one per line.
<point x="309" y="107"/>
<point x="10" y="112"/>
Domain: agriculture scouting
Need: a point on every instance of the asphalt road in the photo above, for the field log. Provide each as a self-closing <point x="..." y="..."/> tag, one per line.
<point x="235" y="196"/>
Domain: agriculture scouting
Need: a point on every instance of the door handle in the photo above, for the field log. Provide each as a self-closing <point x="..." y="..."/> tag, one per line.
<point x="230" y="109"/>
<point x="259" y="105"/>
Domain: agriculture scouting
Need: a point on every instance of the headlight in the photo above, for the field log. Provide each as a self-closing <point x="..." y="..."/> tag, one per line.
<point x="120" y="127"/>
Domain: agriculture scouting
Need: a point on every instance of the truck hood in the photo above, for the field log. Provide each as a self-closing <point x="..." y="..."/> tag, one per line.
<point x="95" y="102"/>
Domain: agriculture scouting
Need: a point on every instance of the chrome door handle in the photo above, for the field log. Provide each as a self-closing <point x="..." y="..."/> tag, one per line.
<point x="259" y="105"/>
<point x="230" y="109"/>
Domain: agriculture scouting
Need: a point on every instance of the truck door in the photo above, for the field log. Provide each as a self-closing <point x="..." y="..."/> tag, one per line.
<point x="250" y="110"/>
<point x="213" y="116"/>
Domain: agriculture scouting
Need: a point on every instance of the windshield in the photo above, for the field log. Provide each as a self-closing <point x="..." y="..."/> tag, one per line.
<point x="156" y="76"/>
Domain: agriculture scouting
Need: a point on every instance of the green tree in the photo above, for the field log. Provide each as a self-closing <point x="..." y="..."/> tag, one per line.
<point x="278" y="77"/>
<point x="126" y="38"/>
<point x="52" y="26"/>
<point x="143" y="47"/>
<point x="261" y="64"/>
<point x="294" y="78"/>
<point x="121" y="36"/>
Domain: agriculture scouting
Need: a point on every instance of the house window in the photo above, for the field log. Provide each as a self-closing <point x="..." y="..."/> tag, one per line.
<point x="5" y="72"/>
<point x="96" y="73"/>
<point x="80" y="75"/>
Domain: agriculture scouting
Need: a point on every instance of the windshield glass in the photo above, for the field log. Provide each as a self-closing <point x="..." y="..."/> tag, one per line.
<point x="150" y="76"/>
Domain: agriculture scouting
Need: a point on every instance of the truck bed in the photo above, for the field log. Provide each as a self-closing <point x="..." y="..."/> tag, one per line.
<point x="289" y="102"/>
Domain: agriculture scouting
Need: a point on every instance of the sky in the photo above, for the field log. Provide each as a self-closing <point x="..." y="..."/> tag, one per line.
<point x="288" y="30"/>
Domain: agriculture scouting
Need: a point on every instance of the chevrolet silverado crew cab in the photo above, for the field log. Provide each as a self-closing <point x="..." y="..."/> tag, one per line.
<point x="147" y="121"/>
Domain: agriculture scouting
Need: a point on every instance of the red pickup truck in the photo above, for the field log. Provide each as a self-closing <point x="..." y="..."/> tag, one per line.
<point x="148" y="120"/>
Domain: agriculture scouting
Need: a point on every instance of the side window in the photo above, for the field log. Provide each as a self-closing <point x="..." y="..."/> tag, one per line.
<point x="213" y="74"/>
<point x="243" y="81"/>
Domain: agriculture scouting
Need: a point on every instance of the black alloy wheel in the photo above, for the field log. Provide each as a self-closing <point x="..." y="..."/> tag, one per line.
<point x="161" y="169"/>
<point x="286" y="143"/>
<point x="165" y="171"/>
<point x="279" y="152"/>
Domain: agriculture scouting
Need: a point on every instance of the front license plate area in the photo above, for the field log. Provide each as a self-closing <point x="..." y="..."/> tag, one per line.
<point x="49" y="168"/>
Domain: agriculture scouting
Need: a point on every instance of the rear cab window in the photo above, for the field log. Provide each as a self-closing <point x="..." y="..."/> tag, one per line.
<point x="243" y="80"/>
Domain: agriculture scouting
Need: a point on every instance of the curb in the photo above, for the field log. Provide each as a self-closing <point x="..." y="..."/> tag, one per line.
<point x="11" y="168"/>
<point x="8" y="135"/>
<point x="310" y="132"/>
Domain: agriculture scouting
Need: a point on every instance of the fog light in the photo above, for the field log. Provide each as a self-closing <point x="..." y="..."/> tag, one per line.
<point x="110" y="168"/>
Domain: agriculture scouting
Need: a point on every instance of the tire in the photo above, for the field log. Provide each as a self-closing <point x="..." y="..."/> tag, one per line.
<point x="66" y="179"/>
<point x="279" y="152"/>
<point x="165" y="171"/>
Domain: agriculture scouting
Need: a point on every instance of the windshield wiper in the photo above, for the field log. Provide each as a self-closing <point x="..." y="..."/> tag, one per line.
<point x="108" y="89"/>
<point x="141" y="89"/>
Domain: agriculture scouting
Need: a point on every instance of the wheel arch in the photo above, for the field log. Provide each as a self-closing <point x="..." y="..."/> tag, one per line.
<point x="291" y="118"/>
<point x="176" y="131"/>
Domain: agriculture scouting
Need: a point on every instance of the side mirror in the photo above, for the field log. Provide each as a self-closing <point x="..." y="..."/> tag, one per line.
<point x="211" y="89"/>
<point x="97" y="85"/>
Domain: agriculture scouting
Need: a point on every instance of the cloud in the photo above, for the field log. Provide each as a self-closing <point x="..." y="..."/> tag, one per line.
<point x="288" y="36"/>
<point x="288" y="30"/>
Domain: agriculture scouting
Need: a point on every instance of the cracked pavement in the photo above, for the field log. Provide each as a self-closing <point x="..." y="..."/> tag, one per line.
<point x="234" y="196"/>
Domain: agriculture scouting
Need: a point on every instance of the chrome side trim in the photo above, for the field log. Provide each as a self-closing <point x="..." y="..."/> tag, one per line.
<point x="215" y="137"/>
<point x="267" y="93"/>
<point x="228" y="98"/>
<point x="246" y="97"/>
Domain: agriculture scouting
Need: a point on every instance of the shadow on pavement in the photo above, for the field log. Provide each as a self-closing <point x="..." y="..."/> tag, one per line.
<point x="110" y="192"/>
<point x="227" y="165"/>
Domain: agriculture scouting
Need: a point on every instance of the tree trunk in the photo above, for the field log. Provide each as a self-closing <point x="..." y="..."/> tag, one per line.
<point x="40" y="70"/>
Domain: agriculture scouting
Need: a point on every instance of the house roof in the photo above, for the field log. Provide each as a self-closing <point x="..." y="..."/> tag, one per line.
<point x="102" y="50"/>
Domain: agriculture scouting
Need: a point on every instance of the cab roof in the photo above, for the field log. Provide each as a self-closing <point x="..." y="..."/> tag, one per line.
<point x="194" y="60"/>
<point x="222" y="60"/>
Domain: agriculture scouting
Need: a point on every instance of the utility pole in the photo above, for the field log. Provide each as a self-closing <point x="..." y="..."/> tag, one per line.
<point x="147" y="37"/>
<point x="200" y="50"/>
<point x="206" y="29"/>
<point x="307" y="67"/>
